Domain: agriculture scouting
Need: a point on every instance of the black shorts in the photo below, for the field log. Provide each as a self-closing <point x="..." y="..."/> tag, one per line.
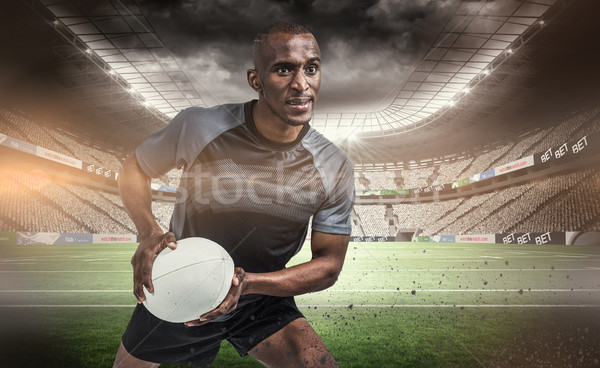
<point x="151" y="339"/>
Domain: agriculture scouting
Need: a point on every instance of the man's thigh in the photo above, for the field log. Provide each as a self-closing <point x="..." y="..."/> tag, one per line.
<point x="295" y="345"/>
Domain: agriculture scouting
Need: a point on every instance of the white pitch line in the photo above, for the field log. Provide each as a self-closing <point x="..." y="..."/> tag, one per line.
<point x="65" y="291"/>
<point x="459" y="290"/>
<point x="314" y="306"/>
<point x="65" y="271"/>
<point x="477" y="269"/>
<point x="348" y="270"/>
<point x="451" y="306"/>
<point x="95" y="260"/>
<point x="337" y="291"/>
<point x="68" y="306"/>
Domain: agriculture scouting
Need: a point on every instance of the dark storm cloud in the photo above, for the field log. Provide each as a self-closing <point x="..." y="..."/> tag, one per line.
<point x="367" y="45"/>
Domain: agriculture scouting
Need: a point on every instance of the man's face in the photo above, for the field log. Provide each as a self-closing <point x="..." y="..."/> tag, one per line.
<point x="289" y="72"/>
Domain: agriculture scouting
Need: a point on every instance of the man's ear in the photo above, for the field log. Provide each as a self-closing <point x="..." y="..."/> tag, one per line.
<point x="254" y="80"/>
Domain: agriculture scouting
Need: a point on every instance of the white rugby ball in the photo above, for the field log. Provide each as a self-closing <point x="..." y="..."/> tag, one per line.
<point x="190" y="280"/>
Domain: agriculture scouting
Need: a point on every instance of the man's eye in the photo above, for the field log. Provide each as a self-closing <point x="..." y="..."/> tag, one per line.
<point x="311" y="69"/>
<point x="283" y="70"/>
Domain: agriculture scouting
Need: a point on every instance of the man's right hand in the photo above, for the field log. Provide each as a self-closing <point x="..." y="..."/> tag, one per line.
<point x="143" y="260"/>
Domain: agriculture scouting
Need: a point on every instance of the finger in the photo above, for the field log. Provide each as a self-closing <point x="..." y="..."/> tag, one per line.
<point x="149" y="285"/>
<point x="196" y="323"/>
<point x="206" y="318"/>
<point x="138" y="291"/>
<point x="169" y="240"/>
<point x="147" y="277"/>
<point x="221" y="310"/>
<point x="239" y="276"/>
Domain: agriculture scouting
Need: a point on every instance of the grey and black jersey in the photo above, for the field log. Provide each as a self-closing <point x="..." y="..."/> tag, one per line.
<point x="253" y="196"/>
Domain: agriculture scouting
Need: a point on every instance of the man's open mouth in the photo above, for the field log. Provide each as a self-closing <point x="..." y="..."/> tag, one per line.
<point x="300" y="104"/>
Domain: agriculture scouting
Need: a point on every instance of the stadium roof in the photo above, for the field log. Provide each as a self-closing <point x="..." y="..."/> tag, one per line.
<point x="119" y="35"/>
<point x="475" y="40"/>
<point x="111" y="72"/>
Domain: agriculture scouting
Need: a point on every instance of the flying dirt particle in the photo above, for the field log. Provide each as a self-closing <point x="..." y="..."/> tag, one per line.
<point x="506" y="263"/>
<point x="521" y="291"/>
<point x="485" y="282"/>
<point x="413" y="292"/>
<point x="424" y="250"/>
<point x="552" y="268"/>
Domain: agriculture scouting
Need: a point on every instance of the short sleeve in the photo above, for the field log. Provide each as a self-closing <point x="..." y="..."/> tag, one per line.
<point x="334" y="215"/>
<point x="180" y="142"/>
<point x="158" y="154"/>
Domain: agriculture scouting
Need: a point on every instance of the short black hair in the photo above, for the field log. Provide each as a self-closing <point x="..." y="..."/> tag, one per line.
<point x="278" y="27"/>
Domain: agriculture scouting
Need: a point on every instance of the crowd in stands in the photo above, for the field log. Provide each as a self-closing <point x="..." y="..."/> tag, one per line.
<point x="573" y="128"/>
<point x="449" y="172"/>
<point x="381" y="179"/>
<point x="575" y="205"/>
<point x="30" y="201"/>
<point x="170" y="178"/>
<point x="568" y="130"/>
<point x="24" y="209"/>
<point x="372" y="219"/>
<point x="567" y="202"/>
<point x="162" y="213"/>
<point x="417" y="178"/>
<point x="17" y="125"/>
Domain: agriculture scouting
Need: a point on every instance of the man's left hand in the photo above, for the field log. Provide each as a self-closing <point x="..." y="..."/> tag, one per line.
<point x="229" y="303"/>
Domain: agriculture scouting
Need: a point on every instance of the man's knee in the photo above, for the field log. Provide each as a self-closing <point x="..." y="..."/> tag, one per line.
<point x="296" y="345"/>
<point x="126" y="360"/>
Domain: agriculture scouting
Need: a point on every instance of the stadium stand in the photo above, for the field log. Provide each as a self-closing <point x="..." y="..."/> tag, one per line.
<point x="568" y="202"/>
<point x="417" y="177"/>
<point x="18" y="125"/>
<point x="162" y="212"/>
<point x="372" y="218"/>
<point x="25" y="209"/>
<point x="448" y="172"/>
<point x="381" y="179"/>
<point x="574" y="127"/>
<point x="33" y="201"/>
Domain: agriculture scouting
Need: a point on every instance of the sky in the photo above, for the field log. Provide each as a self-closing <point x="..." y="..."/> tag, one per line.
<point x="367" y="46"/>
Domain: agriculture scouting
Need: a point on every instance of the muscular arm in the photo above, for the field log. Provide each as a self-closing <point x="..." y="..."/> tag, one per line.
<point x="328" y="253"/>
<point x="136" y="195"/>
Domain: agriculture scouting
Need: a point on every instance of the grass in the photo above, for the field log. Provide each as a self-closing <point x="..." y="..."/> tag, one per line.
<point x="395" y="305"/>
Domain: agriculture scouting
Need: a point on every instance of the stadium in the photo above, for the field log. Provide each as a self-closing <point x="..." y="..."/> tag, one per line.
<point x="476" y="224"/>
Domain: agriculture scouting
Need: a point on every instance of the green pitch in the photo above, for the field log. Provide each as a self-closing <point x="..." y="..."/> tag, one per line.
<point x="394" y="305"/>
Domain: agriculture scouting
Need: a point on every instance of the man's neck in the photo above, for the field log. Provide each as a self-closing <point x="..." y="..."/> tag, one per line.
<point x="271" y="127"/>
